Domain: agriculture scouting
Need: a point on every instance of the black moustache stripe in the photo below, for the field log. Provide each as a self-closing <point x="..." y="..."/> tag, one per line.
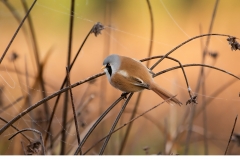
<point x="109" y="69"/>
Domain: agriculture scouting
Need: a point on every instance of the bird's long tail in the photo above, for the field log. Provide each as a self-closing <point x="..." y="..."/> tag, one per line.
<point x="164" y="94"/>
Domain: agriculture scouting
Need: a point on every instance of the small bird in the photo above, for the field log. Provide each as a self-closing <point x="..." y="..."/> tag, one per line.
<point x="130" y="75"/>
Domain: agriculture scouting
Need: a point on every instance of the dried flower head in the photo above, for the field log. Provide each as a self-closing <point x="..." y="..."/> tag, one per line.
<point x="234" y="44"/>
<point x="97" y="28"/>
<point x="214" y="55"/>
<point x="13" y="56"/>
<point x="192" y="100"/>
<point x="34" y="148"/>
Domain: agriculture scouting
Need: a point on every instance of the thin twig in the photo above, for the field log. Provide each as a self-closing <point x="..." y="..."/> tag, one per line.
<point x="69" y="123"/>
<point x="91" y="78"/>
<point x="33" y="130"/>
<point x="65" y="105"/>
<point x="231" y="135"/>
<point x="106" y="50"/>
<point x="74" y="112"/>
<point x="151" y="30"/>
<point x="16" y="32"/>
<point x="18" y="77"/>
<point x="215" y="94"/>
<point x="125" y="124"/>
<point x="166" y="128"/>
<point x="203" y="77"/>
<point x="83" y="96"/>
<point x="24" y="150"/>
<point x="180" y="64"/>
<point x="185" y="42"/>
<point x="192" y="65"/>
<point x="123" y="143"/>
<point x="201" y="81"/>
<point x="63" y="83"/>
<point x="18" y="19"/>
<point x="97" y="122"/>
<point x="189" y="132"/>
<point x="114" y="124"/>
<point x="46" y="99"/>
<point x="10" y="105"/>
<point x="122" y="146"/>
<point x="36" y="55"/>
<point x="27" y="83"/>
<point x="14" y="13"/>
<point x="16" y="129"/>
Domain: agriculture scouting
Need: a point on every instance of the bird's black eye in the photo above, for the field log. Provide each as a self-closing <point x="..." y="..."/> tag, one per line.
<point x="109" y="69"/>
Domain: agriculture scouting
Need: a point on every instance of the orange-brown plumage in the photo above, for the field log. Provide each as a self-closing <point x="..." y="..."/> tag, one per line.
<point x="129" y="75"/>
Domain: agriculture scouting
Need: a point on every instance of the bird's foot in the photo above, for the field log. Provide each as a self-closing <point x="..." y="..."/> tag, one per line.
<point x="124" y="95"/>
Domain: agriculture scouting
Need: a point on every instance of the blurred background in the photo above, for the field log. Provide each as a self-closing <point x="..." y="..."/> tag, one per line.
<point x="199" y="129"/>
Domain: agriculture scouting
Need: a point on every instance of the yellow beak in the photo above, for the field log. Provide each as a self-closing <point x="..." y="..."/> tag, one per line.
<point x="103" y="67"/>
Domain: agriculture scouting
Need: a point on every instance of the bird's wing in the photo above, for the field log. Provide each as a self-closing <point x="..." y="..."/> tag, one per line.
<point x="138" y="82"/>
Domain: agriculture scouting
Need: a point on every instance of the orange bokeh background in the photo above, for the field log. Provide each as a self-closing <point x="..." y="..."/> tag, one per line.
<point x="127" y="33"/>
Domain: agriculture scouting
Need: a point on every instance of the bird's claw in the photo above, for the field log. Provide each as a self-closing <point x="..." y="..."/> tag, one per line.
<point x="124" y="95"/>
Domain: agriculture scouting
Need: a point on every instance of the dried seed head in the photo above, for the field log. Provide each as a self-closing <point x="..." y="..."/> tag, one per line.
<point x="34" y="148"/>
<point x="192" y="100"/>
<point x="214" y="55"/>
<point x="97" y="28"/>
<point x="234" y="44"/>
<point x="13" y="56"/>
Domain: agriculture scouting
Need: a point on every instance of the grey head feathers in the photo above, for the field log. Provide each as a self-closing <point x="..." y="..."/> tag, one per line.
<point x="112" y="63"/>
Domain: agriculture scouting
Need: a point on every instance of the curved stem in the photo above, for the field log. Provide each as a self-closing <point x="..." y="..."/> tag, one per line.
<point x="33" y="130"/>
<point x="180" y="45"/>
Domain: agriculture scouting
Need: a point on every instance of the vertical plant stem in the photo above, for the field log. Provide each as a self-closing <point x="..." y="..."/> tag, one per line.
<point x="205" y="131"/>
<point x="189" y="133"/>
<point x="201" y="81"/>
<point x="29" y="109"/>
<point x="106" y="51"/>
<point x="63" y="83"/>
<point x="36" y="54"/>
<point x="65" y="106"/>
<point x="24" y="151"/>
<point x="74" y="111"/>
<point x="16" y="32"/>
<point x="205" y="140"/>
<point x="216" y="93"/>
<point x="165" y="151"/>
<point x="151" y="31"/>
<point x="231" y="134"/>
<point x="122" y="146"/>
<point x="28" y="98"/>
<point x="206" y="45"/>
<point x="14" y="12"/>
<point x="96" y="123"/>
